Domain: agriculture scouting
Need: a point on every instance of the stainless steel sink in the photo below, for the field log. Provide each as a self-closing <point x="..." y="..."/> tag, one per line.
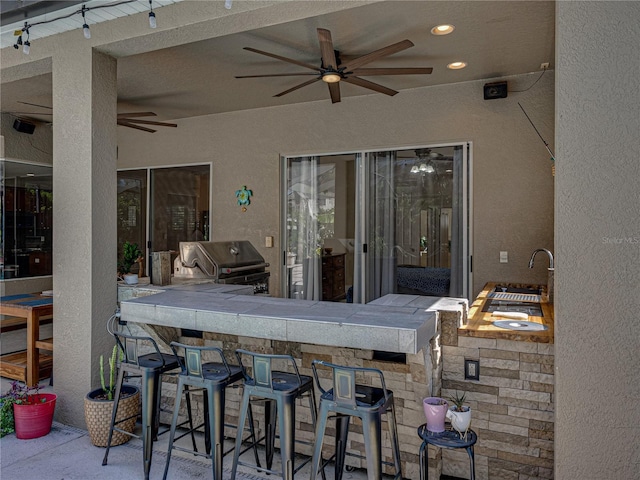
<point x="526" y="291"/>
<point x="530" y="308"/>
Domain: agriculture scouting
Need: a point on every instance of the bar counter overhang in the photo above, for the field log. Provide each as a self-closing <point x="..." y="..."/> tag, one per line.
<point x="393" y="323"/>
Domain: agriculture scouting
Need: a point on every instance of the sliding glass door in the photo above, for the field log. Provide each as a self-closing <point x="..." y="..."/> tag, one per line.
<point x="366" y="224"/>
<point x="160" y="207"/>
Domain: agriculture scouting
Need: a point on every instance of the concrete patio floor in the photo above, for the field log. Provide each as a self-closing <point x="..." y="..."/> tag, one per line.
<point x="66" y="453"/>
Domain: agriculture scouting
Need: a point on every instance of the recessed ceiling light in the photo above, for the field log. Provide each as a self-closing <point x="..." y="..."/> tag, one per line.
<point x="456" y="65"/>
<point x="442" y="29"/>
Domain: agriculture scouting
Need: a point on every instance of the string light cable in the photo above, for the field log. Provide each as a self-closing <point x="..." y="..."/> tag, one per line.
<point x="85" y="27"/>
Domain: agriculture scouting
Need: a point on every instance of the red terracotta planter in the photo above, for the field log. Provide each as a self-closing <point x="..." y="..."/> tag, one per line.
<point x="34" y="420"/>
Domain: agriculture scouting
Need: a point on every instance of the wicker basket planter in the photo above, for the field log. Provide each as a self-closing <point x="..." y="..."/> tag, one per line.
<point x="97" y="415"/>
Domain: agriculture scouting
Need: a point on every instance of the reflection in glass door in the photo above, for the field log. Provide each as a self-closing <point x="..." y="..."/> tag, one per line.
<point x="360" y="226"/>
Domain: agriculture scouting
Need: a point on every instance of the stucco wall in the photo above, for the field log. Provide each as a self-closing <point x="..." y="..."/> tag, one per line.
<point x="598" y="241"/>
<point x="512" y="182"/>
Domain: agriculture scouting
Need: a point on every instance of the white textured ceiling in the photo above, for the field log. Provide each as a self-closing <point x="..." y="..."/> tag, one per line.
<point x="496" y="39"/>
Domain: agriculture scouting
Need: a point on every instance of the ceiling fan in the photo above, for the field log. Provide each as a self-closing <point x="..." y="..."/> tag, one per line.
<point x="124" y="119"/>
<point x="332" y="71"/>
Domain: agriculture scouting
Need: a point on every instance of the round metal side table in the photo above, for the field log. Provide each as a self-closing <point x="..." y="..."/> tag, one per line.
<point x="446" y="439"/>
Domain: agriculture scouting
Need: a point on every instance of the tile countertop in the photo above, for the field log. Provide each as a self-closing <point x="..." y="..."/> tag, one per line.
<point x="480" y="323"/>
<point x="390" y="324"/>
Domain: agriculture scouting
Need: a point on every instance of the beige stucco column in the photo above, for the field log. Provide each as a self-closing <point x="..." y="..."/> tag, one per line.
<point x="84" y="236"/>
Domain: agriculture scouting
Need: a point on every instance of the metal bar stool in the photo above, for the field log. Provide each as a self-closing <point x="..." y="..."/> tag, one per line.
<point x="278" y="390"/>
<point x="213" y="378"/>
<point x="347" y="399"/>
<point x="149" y="367"/>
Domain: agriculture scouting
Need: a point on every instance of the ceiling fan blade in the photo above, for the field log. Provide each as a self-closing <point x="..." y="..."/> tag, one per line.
<point x="35" y="105"/>
<point x="131" y="125"/>
<point x="370" y="57"/>
<point x="334" y="91"/>
<point x="326" y="49"/>
<point x="391" y="71"/>
<point x="27" y="113"/>
<point x="137" y="114"/>
<point x="361" y="82"/>
<point x="303" y="84"/>
<point x="146" y="122"/>
<point x="284" y="59"/>
<point x="277" y="75"/>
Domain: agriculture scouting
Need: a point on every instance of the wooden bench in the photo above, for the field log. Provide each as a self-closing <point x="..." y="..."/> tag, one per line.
<point x="9" y="324"/>
<point x="45" y="344"/>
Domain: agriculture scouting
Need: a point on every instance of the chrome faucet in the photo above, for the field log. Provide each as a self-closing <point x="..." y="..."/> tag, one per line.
<point x="533" y="255"/>
<point x="550" y="272"/>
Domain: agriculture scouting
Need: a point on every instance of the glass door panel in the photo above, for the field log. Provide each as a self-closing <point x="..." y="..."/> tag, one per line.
<point x="132" y="208"/>
<point x="400" y="218"/>
<point x="179" y="206"/>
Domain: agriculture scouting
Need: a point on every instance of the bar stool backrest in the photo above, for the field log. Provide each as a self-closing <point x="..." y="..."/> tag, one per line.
<point x="344" y="382"/>
<point x="192" y="363"/>
<point x="262" y="368"/>
<point x="131" y="345"/>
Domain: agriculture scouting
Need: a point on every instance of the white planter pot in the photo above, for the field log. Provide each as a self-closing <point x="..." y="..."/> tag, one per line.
<point x="460" y="421"/>
<point x="131" y="278"/>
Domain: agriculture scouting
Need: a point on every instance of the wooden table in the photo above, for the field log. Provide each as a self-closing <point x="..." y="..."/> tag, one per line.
<point x="26" y="366"/>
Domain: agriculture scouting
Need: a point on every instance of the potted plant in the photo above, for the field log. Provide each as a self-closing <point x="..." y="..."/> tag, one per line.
<point x="98" y="406"/>
<point x="30" y="411"/>
<point x="131" y="254"/>
<point x="459" y="414"/>
<point x="435" y="409"/>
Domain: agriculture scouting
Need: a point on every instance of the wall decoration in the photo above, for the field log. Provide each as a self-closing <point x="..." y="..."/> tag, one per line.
<point x="243" y="195"/>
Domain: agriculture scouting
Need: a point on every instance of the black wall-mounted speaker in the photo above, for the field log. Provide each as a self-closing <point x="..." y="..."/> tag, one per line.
<point x="495" y="90"/>
<point x="23" y="126"/>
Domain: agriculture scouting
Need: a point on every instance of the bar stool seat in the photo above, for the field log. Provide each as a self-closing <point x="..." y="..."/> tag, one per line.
<point x="213" y="378"/>
<point x="347" y="399"/>
<point x="278" y="390"/>
<point x="149" y="368"/>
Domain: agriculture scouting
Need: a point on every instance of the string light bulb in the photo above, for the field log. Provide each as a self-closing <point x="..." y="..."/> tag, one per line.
<point x="152" y="16"/>
<point x="85" y="26"/>
<point x="26" y="46"/>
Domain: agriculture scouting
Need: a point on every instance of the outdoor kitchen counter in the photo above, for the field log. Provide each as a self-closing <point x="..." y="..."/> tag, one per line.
<point x="394" y="323"/>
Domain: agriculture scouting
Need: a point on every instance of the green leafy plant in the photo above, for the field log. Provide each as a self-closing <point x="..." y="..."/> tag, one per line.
<point x="109" y="389"/>
<point x="17" y="394"/>
<point x="458" y="401"/>
<point x="130" y="255"/>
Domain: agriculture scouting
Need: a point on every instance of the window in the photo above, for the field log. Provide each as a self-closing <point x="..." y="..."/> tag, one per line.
<point x="26" y="219"/>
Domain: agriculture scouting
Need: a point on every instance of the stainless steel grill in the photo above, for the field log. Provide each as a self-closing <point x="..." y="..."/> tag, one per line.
<point x="235" y="262"/>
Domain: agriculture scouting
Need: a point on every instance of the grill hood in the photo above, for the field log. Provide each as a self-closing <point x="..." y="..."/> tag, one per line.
<point x="220" y="259"/>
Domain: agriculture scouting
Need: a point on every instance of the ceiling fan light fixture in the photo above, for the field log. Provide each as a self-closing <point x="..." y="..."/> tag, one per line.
<point x="456" y="65"/>
<point x="415" y="169"/>
<point x="331" y="77"/>
<point x="444" y="29"/>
